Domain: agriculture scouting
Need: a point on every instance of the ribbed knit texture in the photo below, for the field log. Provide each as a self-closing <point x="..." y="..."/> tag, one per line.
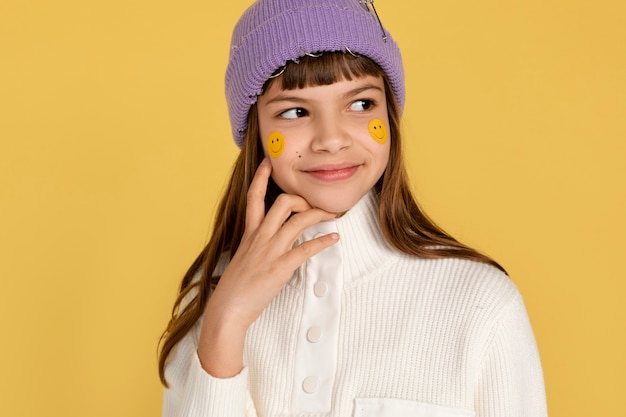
<point x="417" y="337"/>
<point x="272" y="32"/>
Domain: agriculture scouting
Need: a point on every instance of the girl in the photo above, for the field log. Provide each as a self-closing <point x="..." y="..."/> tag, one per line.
<point x="324" y="290"/>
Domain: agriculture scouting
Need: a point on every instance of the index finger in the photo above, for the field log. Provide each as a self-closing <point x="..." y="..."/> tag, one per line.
<point x="255" y="208"/>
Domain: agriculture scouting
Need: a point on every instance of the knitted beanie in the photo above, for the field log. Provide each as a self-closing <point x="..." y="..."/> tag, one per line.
<point x="272" y="32"/>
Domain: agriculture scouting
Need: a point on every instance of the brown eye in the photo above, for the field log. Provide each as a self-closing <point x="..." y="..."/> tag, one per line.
<point x="294" y="113"/>
<point x="361" y="105"/>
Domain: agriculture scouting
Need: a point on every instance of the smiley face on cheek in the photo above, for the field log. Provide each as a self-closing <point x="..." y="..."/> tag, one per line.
<point x="378" y="130"/>
<point x="275" y="144"/>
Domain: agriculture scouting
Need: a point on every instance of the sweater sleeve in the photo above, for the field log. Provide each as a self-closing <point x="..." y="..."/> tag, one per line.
<point x="510" y="381"/>
<point x="193" y="392"/>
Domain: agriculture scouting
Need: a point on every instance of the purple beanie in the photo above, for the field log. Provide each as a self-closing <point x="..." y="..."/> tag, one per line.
<point x="272" y="32"/>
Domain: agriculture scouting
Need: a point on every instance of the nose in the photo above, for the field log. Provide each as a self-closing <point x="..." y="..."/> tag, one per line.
<point x="330" y="135"/>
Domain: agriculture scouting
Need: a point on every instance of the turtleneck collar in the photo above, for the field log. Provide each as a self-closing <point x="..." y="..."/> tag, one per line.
<point x="363" y="248"/>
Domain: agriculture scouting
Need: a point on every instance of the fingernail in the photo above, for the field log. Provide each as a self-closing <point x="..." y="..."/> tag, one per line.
<point x="265" y="161"/>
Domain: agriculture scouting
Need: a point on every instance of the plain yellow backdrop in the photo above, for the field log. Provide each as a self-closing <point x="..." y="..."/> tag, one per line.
<point x="115" y="144"/>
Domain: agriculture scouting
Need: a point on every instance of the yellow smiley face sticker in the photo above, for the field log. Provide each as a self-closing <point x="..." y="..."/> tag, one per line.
<point x="275" y="144"/>
<point x="378" y="130"/>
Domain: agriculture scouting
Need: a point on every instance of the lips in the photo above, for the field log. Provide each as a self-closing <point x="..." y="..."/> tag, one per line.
<point x="330" y="173"/>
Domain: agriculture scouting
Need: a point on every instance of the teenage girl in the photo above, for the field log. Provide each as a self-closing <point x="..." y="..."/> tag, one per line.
<point x="324" y="289"/>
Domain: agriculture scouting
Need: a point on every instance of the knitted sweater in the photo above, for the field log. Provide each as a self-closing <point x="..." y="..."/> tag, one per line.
<point x="364" y="330"/>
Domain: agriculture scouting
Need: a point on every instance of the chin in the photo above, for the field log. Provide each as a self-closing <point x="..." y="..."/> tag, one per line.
<point x="333" y="205"/>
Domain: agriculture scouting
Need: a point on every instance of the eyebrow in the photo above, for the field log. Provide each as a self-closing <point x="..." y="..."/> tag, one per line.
<point x="361" y="89"/>
<point x="354" y="92"/>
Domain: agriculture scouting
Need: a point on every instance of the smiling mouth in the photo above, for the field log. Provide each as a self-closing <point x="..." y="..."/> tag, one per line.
<point x="332" y="174"/>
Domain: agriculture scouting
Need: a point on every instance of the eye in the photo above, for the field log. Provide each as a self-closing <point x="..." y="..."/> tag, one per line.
<point x="361" y="105"/>
<point x="294" y="113"/>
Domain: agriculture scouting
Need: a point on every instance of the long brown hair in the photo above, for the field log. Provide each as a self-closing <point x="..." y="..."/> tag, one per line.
<point x="403" y="223"/>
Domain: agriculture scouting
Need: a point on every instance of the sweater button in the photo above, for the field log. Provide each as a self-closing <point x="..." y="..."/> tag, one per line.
<point x="311" y="384"/>
<point x="314" y="334"/>
<point x="320" y="288"/>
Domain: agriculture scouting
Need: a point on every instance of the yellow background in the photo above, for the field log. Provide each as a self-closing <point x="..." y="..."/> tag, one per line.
<point x="115" y="143"/>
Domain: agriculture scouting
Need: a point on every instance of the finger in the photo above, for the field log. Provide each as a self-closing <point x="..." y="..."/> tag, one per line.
<point x="298" y="255"/>
<point x="303" y="220"/>
<point x="255" y="209"/>
<point x="282" y="208"/>
<point x="296" y="225"/>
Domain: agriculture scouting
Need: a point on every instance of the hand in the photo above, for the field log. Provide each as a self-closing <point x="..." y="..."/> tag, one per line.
<point x="262" y="265"/>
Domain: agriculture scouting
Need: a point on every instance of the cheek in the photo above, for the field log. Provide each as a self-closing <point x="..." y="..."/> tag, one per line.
<point x="283" y="171"/>
<point x="378" y="131"/>
<point x="275" y="144"/>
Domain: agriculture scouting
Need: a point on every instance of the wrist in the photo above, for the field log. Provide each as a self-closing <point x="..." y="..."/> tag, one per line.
<point x="220" y="348"/>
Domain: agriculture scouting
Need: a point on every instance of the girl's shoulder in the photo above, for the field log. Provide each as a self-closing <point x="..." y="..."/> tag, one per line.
<point x="460" y="280"/>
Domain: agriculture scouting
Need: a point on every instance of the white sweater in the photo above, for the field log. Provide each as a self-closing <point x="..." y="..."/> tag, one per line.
<point x="364" y="330"/>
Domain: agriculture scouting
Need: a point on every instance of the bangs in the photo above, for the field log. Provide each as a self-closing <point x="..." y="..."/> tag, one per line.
<point x="325" y="69"/>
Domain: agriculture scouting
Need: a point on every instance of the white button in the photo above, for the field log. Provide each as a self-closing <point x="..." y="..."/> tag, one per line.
<point x="320" y="288"/>
<point x="314" y="334"/>
<point x="311" y="384"/>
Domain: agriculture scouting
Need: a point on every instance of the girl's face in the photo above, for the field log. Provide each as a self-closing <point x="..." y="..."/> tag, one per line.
<point x="329" y="144"/>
